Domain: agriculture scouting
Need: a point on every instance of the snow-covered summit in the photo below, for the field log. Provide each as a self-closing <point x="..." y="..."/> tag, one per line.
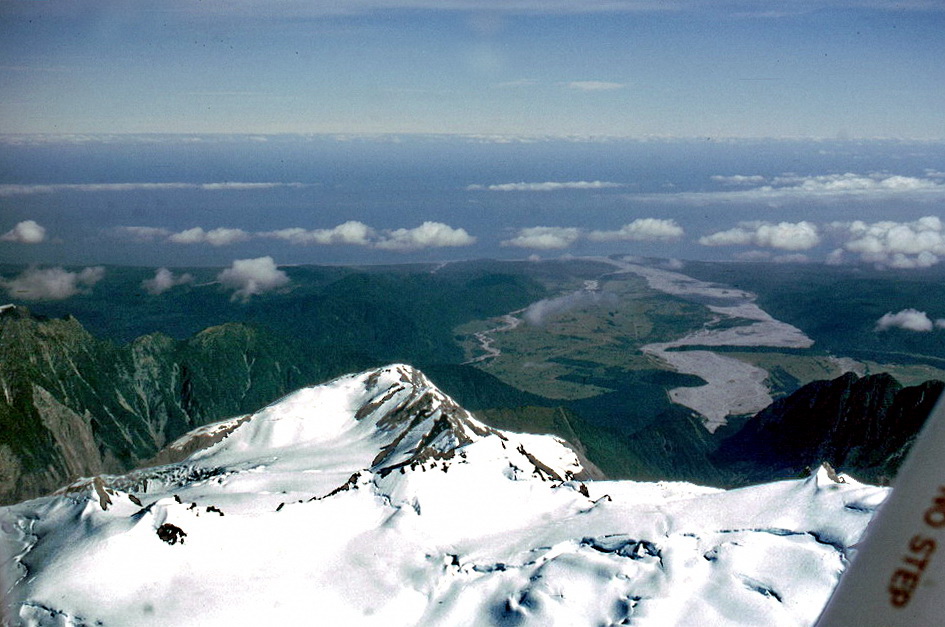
<point x="381" y="419"/>
<point x="376" y="499"/>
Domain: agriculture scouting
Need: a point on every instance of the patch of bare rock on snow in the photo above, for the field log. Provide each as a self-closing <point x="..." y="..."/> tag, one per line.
<point x="380" y="501"/>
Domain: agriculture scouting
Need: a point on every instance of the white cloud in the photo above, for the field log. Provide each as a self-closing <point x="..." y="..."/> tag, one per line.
<point x="141" y="233"/>
<point x="908" y="319"/>
<point x="539" y="313"/>
<point x="25" y="232"/>
<point x="595" y="85"/>
<point x="544" y="237"/>
<point x="917" y="244"/>
<point x="821" y="188"/>
<point x="164" y="280"/>
<point x="51" y="283"/>
<point x="851" y="183"/>
<point x="214" y="237"/>
<point x="250" y="277"/>
<point x="641" y="229"/>
<point x="783" y="236"/>
<point x="351" y="232"/>
<point x="740" y="179"/>
<point x="21" y="190"/>
<point x="547" y="186"/>
<point x="427" y="235"/>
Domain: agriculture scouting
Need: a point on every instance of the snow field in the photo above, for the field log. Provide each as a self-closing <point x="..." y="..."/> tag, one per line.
<point x="285" y="522"/>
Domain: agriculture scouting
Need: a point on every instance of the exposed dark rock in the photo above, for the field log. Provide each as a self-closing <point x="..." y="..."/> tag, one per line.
<point x="172" y="534"/>
<point x="72" y="405"/>
<point x="861" y="426"/>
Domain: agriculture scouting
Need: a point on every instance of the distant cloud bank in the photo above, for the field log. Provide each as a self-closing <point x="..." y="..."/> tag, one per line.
<point x="887" y="243"/>
<point x="918" y="244"/>
<point x="428" y="235"/>
<point x="821" y="188"/>
<point x="214" y="237"/>
<point x="20" y="190"/>
<point x="782" y="236"/>
<point x="547" y="186"/>
<point x="556" y="237"/>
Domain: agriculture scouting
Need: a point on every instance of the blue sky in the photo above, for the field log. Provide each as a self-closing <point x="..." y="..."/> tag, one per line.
<point x="248" y="135"/>
<point x="626" y="68"/>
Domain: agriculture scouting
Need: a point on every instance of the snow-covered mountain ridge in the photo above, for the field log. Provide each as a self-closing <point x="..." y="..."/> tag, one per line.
<point x="376" y="499"/>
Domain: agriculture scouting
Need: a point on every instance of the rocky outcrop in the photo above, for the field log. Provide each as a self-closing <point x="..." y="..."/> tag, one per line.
<point x="72" y="405"/>
<point x="862" y="425"/>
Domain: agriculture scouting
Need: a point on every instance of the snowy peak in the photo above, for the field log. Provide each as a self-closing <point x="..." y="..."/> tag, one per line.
<point x="379" y="501"/>
<point x="395" y="411"/>
<point x="422" y="422"/>
<point x="372" y="423"/>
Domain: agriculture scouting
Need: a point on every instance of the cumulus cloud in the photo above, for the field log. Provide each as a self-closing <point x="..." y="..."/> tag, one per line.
<point x="427" y="235"/>
<point x="910" y="320"/>
<point x="595" y="85"/>
<point x="51" y="283"/>
<point x="783" y="236"/>
<point x="250" y="277"/>
<point x="917" y="244"/>
<point x="351" y="232"/>
<point x="214" y="237"/>
<point x="25" y="232"/>
<point x="21" y="190"/>
<point x="851" y="183"/>
<point x="164" y="280"/>
<point x="641" y="229"/>
<point x="547" y="186"/>
<point x="544" y="237"/>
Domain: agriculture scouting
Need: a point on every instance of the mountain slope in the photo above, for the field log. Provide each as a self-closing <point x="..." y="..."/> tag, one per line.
<point x="74" y="405"/>
<point x="375" y="499"/>
<point x="864" y="425"/>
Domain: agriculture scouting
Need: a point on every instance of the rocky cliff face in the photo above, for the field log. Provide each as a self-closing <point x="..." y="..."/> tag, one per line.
<point x="862" y="425"/>
<point x="73" y="405"/>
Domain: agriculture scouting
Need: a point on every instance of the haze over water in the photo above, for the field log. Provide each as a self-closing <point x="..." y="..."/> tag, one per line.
<point x="174" y="134"/>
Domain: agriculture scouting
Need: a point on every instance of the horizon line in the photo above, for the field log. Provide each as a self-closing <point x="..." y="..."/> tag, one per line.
<point x="197" y="136"/>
